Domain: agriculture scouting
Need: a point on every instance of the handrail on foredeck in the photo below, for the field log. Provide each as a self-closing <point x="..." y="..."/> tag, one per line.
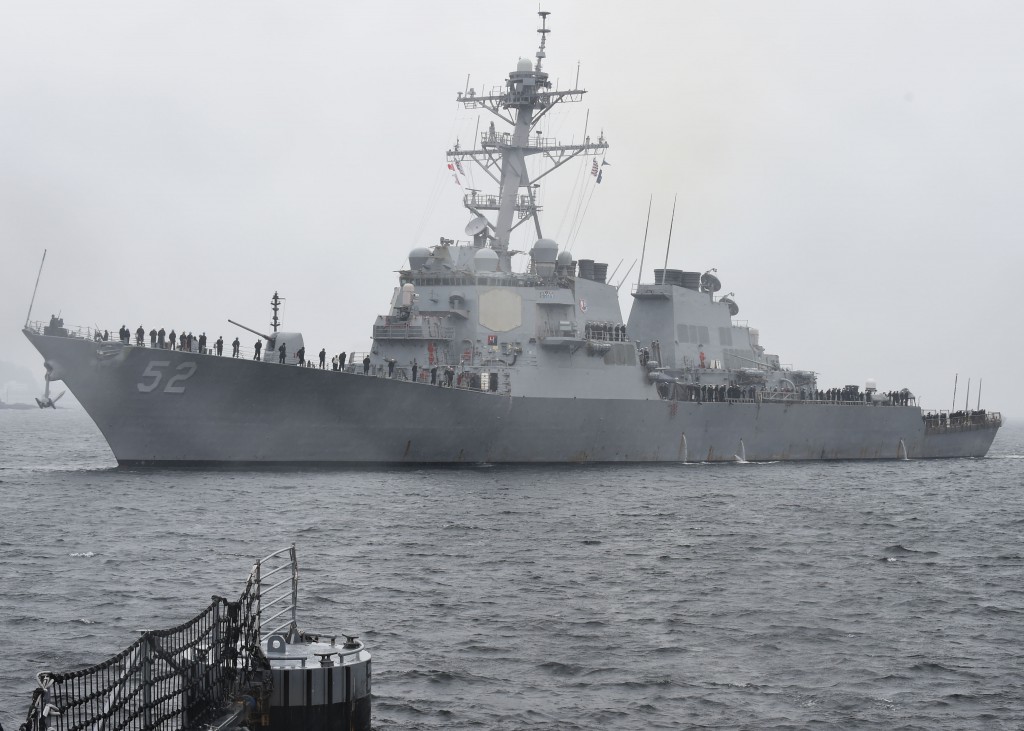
<point x="259" y="573"/>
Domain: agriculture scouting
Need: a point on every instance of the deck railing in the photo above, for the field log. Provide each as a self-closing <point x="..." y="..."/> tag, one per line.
<point x="179" y="678"/>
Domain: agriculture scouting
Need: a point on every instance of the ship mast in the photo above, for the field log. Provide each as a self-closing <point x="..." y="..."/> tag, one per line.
<point x="525" y="99"/>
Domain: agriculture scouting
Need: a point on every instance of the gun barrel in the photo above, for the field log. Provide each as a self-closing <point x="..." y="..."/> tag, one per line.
<point x="254" y="332"/>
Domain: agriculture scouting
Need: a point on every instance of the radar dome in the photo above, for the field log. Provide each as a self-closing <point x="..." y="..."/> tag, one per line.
<point x="524" y="66"/>
<point x="544" y="254"/>
<point x="485" y="260"/>
<point x="564" y="259"/>
<point x="418" y="257"/>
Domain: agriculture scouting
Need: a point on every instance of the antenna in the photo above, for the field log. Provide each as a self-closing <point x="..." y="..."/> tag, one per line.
<point x="33" y="301"/>
<point x="670" y="225"/>
<point x="626" y="275"/>
<point x="275" y="303"/>
<point x="543" y="30"/>
<point x="957" y="376"/>
<point x="643" y="252"/>
<point x="612" y="275"/>
<point x="967" y="400"/>
<point x="979" y="393"/>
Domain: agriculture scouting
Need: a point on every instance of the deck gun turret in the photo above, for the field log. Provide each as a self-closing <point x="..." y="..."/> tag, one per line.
<point x="292" y="342"/>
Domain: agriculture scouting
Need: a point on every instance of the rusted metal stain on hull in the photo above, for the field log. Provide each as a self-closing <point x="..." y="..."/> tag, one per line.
<point x="408" y="446"/>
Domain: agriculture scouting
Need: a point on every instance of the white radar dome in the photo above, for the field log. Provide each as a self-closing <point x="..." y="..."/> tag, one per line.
<point x="418" y="257"/>
<point x="564" y="258"/>
<point x="544" y="254"/>
<point x="524" y="66"/>
<point x="485" y="260"/>
<point x="545" y="250"/>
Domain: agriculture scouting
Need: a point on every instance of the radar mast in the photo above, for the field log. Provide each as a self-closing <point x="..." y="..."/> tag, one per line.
<point x="526" y="97"/>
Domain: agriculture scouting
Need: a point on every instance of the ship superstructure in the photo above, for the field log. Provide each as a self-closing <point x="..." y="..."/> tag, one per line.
<point x="475" y="361"/>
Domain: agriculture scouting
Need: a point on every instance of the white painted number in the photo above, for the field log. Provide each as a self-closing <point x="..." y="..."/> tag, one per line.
<point x="154" y="374"/>
<point x="185" y="371"/>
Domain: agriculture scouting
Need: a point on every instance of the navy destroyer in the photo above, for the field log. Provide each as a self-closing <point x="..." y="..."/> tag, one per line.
<point x="487" y="354"/>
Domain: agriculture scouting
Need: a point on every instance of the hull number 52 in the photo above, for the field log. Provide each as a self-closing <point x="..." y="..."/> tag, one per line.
<point x="154" y="374"/>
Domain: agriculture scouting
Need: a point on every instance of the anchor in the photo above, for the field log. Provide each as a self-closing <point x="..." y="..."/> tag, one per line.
<point x="46" y="401"/>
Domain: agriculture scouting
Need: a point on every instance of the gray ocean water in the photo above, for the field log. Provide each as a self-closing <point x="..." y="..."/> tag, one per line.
<point x="882" y="595"/>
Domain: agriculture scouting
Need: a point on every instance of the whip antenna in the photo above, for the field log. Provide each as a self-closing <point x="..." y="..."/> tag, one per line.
<point x="670" y="225"/>
<point x="33" y="301"/>
<point x="643" y="251"/>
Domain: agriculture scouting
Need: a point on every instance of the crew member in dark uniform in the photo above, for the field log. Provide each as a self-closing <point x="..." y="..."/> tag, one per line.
<point x="257" y="347"/>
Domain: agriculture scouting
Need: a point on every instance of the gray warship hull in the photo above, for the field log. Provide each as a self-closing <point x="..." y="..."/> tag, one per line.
<point x="162" y="407"/>
<point x="538" y="363"/>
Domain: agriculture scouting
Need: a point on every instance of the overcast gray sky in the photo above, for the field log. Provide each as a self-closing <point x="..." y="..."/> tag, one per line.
<point x="853" y="170"/>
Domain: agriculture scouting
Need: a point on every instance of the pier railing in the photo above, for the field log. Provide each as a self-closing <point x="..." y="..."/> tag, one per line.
<point x="181" y="678"/>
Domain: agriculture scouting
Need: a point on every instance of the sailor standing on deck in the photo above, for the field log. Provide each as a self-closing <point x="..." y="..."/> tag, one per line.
<point x="219" y="345"/>
<point x="282" y="351"/>
<point x="235" y="345"/>
<point x="257" y="347"/>
<point x="323" y="357"/>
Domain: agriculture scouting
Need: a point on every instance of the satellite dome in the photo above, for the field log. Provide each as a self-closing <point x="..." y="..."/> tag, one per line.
<point x="418" y="257"/>
<point x="524" y="66"/>
<point x="545" y="250"/>
<point x="485" y="260"/>
<point x="544" y="254"/>
<point x="564" y="258"/>
<point x="734" y="309"/>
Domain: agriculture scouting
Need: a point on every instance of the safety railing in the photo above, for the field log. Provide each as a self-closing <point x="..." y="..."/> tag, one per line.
<point x="960" y="421"/>
<point x="179" y="678"/>
<point x="277" y="591"/>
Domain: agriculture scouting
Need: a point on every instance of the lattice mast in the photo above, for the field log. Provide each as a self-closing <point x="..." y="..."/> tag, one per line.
<point x="526" y="98"/>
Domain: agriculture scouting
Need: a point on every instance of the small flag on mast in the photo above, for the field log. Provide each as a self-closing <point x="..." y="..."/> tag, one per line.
<point x="455" y="175"/>
<point x="593" y="170"/>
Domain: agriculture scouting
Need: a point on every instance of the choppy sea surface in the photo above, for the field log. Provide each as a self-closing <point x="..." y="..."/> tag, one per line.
<point x="882" y="595"/>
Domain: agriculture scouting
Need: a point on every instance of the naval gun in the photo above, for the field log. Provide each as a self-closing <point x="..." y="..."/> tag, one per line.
<point x="292" y="342"/>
